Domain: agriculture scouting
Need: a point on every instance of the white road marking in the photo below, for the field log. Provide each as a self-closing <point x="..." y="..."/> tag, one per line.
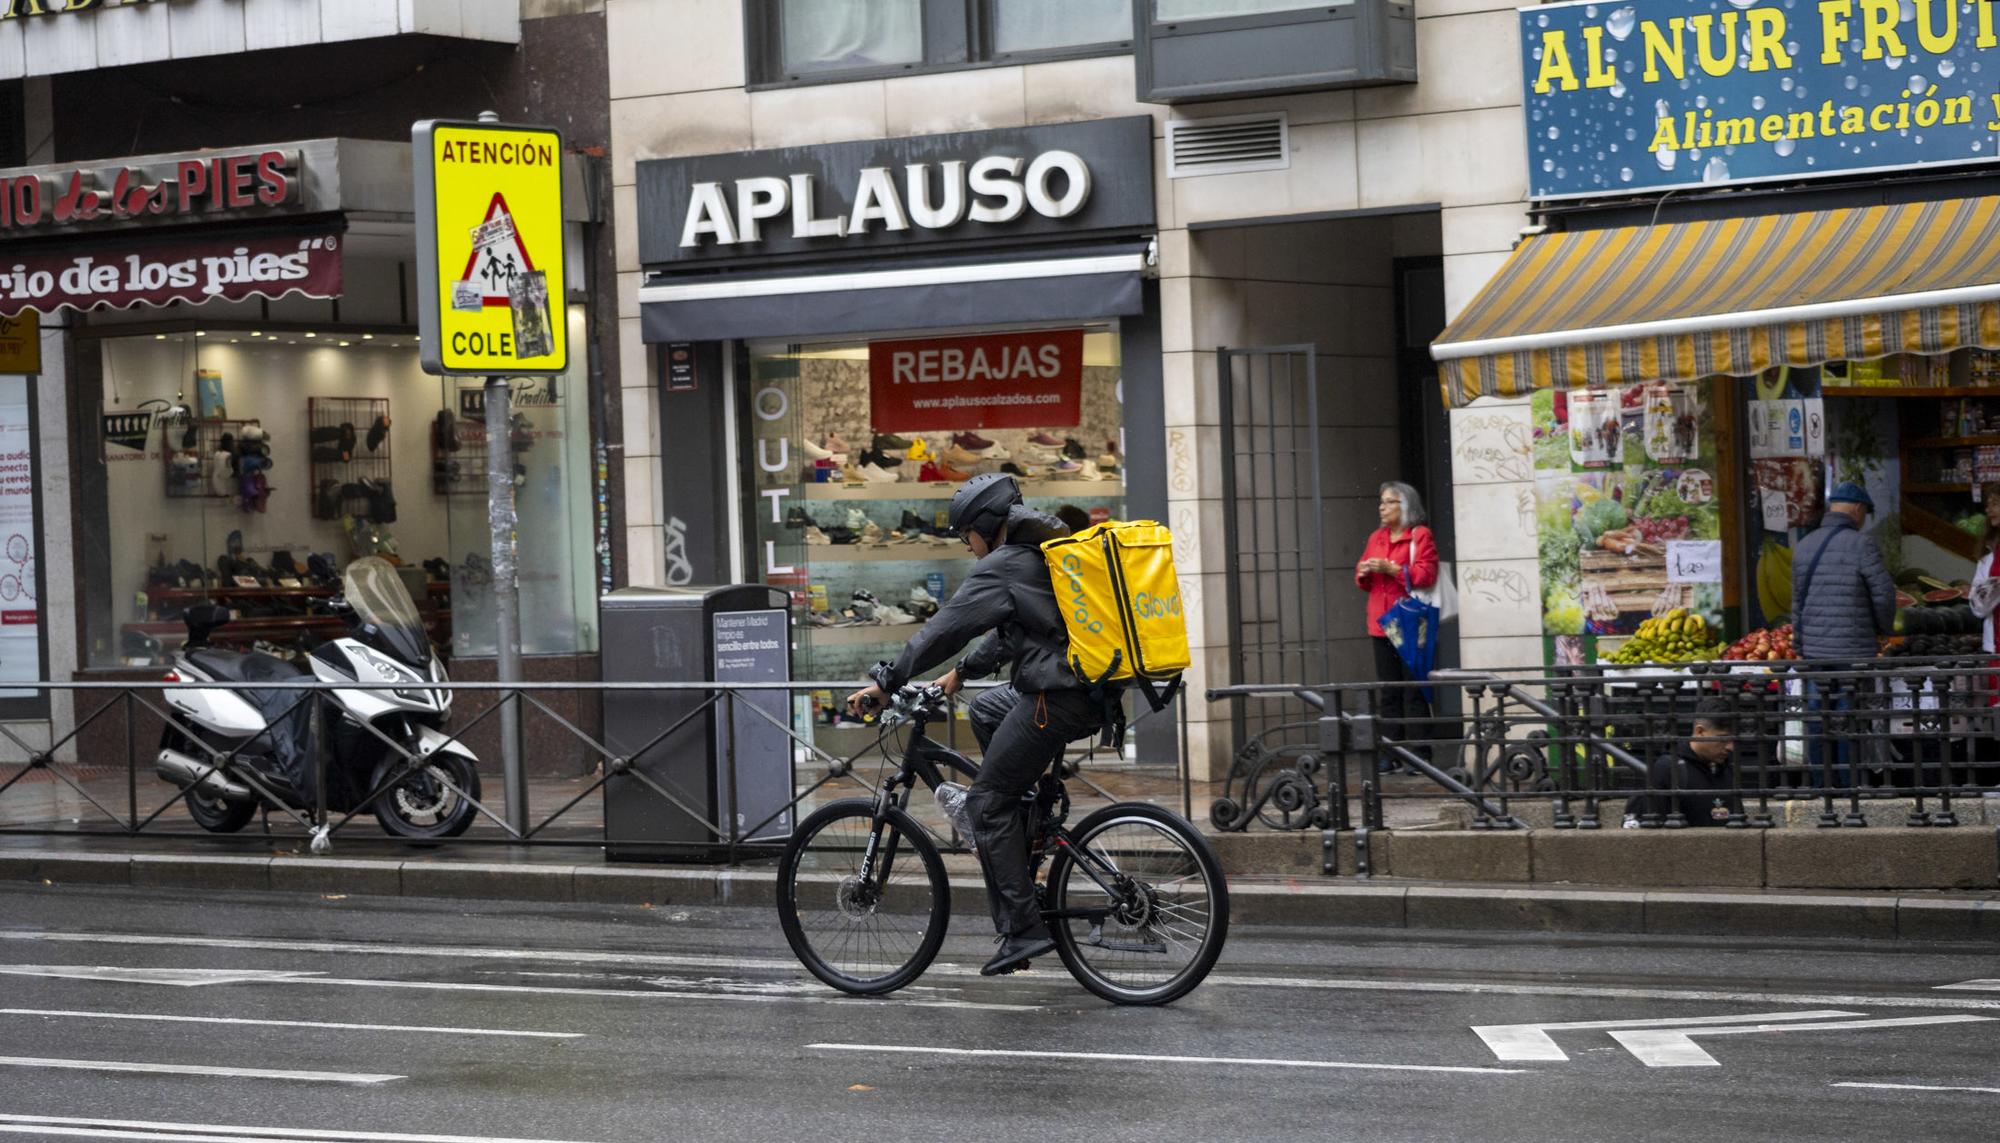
<point x="787" y="965"/>
<point x="74" y="1014"/>
<point x="823" y="996"/>
<point x="238" y="1132"/>
<point x="1147" y="1059"/>
<point x="1533" y="1042"/>
<point x="1921" y="1087"/>
<point x="1674" y="1047"/>
<point x="195" y="1070"/>
<point x="183" y="977"/>
<point x="1988" y="985"/>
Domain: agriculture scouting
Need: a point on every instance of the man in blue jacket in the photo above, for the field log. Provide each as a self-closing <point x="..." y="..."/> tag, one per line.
<point x="1843" y="600"/>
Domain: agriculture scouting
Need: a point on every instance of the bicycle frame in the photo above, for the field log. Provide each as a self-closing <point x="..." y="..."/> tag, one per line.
<point x="925" y="761"/>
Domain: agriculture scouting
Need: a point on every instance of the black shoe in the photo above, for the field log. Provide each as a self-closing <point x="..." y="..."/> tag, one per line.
<point x="800" y="518"/>
<point x="376" y="432"/>
<point x="1073" y="449"/>
<point x="880" y="459"/>
<point x="915" y="525"/>
<point x="841" y="534"/>
<point x="886" y="441"/>
<point x="1017" y="950"/>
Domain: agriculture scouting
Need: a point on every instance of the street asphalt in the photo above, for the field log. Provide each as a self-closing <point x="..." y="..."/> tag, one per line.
<point x="186" y="1015"/>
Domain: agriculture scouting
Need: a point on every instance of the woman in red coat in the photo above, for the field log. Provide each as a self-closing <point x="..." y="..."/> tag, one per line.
<point x="1400" y="552"/>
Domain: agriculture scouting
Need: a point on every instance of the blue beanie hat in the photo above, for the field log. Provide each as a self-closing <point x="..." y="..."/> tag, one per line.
<point x="1851" y="493"/>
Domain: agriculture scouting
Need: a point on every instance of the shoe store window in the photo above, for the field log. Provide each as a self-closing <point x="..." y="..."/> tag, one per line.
<point x="859" y="444"/>
<point x="247" y="467"/>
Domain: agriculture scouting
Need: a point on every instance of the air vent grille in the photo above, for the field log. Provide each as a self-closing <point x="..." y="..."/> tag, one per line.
<point x="1227" y="145"/>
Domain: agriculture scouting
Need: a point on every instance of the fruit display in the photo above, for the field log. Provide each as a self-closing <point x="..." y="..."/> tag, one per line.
<point x="1774" y="579"/>
<point x="1772" y="645"/>
<point x="1676" y="637"/>
<point x="1930" y="646"/>
<point x="1949" y="619"/>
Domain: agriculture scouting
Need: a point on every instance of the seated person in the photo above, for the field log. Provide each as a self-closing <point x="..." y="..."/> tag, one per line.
<point x="1694" y="785"/>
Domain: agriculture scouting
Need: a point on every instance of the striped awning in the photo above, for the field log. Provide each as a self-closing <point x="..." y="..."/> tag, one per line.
<point x="1729" y="296"/>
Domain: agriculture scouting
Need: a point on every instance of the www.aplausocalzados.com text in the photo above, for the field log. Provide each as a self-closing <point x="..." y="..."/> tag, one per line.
<point x="987" y="401"/>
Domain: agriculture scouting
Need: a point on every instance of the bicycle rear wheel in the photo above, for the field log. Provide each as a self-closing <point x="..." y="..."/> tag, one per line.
<point x="865" y="938"/>
<point x="1148" y="907"/>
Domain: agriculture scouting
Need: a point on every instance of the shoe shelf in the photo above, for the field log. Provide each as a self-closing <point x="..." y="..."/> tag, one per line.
<point x="900" y="553"/>
<point x="1054" y="489"/>
<point x="341" y="455"/>
<point x="858" y="634"/>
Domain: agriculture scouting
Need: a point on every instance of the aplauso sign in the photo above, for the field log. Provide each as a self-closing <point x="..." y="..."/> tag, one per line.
<point x="1657" y="94"/>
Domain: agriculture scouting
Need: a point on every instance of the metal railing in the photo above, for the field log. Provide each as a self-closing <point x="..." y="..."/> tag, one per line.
<point x="97" y="776"/>
<point x="1580" y="746"/>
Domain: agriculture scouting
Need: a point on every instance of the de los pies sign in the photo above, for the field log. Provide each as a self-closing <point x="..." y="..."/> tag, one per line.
<point x="171" y="190"/>
<point x="1650" y="95"/>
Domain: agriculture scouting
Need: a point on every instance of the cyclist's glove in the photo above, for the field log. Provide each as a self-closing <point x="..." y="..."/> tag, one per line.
<point x="883" y="675"/>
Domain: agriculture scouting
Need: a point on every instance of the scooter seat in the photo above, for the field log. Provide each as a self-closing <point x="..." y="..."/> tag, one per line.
<point x="237" y="667"/>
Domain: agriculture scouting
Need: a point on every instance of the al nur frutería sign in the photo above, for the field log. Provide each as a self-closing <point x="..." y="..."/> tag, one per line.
<point x="1656" y="94"/>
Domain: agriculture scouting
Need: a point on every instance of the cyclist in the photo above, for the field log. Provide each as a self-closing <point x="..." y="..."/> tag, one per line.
<point x="1021" y="727"/>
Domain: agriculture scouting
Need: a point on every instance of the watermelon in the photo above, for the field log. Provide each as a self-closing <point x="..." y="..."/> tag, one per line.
<point x="1944" y="595"/>
<point x="1905" y="599"/>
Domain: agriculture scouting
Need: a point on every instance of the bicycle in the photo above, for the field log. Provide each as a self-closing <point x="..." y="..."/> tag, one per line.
<point x="1134" y="896"/>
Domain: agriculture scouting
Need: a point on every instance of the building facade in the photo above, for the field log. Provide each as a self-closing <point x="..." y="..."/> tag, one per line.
<point x="1316" y="190"/>
<point x="210" y="247"/>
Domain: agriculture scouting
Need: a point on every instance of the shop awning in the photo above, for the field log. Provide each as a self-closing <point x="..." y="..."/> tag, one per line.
<point x="1729" y="296"/>
<point x="1024" y="286"/>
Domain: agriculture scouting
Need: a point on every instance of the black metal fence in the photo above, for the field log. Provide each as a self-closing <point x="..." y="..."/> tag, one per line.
<point x="105" y="770"/>
<point x="1600" y="747"/>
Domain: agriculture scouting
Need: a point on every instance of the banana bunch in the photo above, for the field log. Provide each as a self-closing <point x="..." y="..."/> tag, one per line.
<point x="1774" y="580"/>
<point x="1676" y="637"/>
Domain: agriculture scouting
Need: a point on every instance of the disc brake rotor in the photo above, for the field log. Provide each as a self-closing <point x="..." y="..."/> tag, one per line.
<point x="852" y="899"/>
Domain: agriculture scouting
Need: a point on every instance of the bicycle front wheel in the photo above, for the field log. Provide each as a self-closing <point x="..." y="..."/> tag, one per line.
<point x="865" y="936"/>
<point x="1141" y="907"/>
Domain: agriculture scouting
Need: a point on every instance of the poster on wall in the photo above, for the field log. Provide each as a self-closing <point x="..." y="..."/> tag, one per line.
<point x="1624" y="482"/>
<point x="995" y="381"/>
<point x="20" y="617"/>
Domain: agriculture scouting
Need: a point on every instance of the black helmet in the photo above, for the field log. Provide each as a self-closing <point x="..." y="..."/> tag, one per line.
<point x="981" y="504"/>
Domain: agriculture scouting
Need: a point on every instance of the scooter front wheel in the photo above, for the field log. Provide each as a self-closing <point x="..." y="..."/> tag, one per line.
<point x="432" y="802"/>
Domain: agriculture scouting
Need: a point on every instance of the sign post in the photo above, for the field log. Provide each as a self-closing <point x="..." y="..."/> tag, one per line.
<point x="490" y="289"/>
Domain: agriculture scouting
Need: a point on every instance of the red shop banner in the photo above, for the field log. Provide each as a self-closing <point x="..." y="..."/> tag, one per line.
<point x="157" y="273"/>
<point x="992" y="381"/>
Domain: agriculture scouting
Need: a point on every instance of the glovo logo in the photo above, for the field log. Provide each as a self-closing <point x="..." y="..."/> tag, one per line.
<point x="1079" y="606"/>
<point x="1148" y="606"/>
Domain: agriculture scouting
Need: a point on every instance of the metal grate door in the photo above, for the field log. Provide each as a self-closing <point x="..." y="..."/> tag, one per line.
<point x="1274" y="527"/>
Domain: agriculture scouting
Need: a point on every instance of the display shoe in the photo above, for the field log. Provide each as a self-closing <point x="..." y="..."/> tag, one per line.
<point x="376" y="432"/>
<point x="959" y="457"/>
<point x="971" y="442"/>
<point x="1012" y="469"/>
<point x="1039" y="456"/>
<point x="947" y="472"/>
<point x="1087" y="470"/>
<point x="875" y="474"/>
<point x="1045" y="440"/>
<point x="890" y="615"/>
<point x="1066" y="469"/>
<point x="815" y="536"/>
<point x="922" y="603"/>
<point x="920" y="449"/>
<point x="997" y="453"/>
<point x="833" y="442"/>
<point x="856" y="519"/>
<point x="799" y="518"/>
<point x="1073" y="449"/>
<point x="879" y="459"/>
<point x="928" y="474"/>
<point x="841" y="535"/>
<point x="1107" y="460"/>
<point x="885" y="442"/>
<point x="913" y="523"/>
<point x="852" y="474"/>
<point x="872" y="533"/>
<point x="815" y="452"/>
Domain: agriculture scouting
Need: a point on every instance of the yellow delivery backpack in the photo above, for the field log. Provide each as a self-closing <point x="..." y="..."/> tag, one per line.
<point x="1116" y="589"/>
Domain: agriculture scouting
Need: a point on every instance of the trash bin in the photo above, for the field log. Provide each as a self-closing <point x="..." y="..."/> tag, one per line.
<point x="725" y="634"/>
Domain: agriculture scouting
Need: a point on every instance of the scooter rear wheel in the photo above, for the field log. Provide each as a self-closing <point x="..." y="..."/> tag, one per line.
<point x="219" y="815"/>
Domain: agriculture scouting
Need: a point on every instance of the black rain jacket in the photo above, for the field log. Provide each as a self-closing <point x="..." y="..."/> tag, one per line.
<point x="1009" y="594"/>
<point x="1683" y="780"/>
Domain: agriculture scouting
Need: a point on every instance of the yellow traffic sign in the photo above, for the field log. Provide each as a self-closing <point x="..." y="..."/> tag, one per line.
<point x="490" y="248"/>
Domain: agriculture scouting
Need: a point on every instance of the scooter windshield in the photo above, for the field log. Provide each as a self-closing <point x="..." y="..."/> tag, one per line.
<point x="379" y="600"/>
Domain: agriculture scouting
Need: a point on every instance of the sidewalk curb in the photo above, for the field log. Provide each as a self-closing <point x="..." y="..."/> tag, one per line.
<point x="1308" y="903"/>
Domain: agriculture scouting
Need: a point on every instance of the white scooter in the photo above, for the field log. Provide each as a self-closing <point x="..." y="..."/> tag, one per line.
<point x="236" y="749"/>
